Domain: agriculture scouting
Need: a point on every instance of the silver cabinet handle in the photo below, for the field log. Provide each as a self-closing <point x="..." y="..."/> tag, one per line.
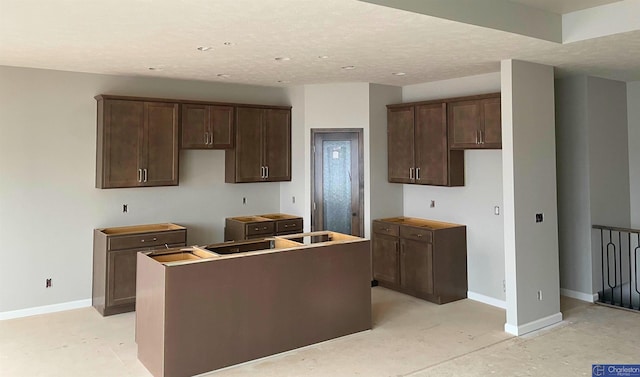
<point x="261" y="171"/>
<point x="206" y="138"/>
<point x="418" y="174"/>
<point x="477" y="136"/>
<point x="267" y="172"/>
<point x="144" y="174"/>
<point x="211" y="138"/>
<point x="481" y="137"/>
<point x="411" y="173"/>
<point x="139" y="175"/>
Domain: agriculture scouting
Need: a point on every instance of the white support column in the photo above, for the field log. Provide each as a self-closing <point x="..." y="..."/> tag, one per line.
<point x="529" y="188"/>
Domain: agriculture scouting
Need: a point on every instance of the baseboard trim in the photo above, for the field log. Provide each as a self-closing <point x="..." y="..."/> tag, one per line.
<point x="533" y="326"/>
<point x="486" y="300"/>
<point x="579" y="295"/>
<point x="45" y="309"/>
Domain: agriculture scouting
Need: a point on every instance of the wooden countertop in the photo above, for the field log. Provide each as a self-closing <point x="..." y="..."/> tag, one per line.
<point x="418" y="222"/>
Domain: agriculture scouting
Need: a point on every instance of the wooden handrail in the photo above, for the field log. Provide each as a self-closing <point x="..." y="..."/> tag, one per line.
<point x="615" y="228"/>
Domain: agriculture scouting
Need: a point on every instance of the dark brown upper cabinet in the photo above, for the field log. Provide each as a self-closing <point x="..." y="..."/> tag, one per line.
<point x="206" y="126"/>
<point x="417" y="146"/>
<point x="262" y="151"/>
<point x="137" y="143"/>
<point x="475" y="123"/>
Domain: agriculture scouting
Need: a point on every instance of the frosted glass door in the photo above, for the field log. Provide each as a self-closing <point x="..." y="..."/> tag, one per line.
<point x="336" y="185"/>
<point x="337" y="181"/>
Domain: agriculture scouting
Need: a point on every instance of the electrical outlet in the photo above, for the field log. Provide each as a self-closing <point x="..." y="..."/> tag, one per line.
<point x="539" y="217"/>
<point x="540" y="295"/>
<point x="125" y="208"/>
<point x="496" y="210"/>
<point x="293" y="199"/>
<point x="47" y="283"/>
<point x="244" y="200"/>
<point x="433" y="204"/>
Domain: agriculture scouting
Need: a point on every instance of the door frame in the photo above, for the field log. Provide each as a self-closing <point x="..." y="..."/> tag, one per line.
<point x="316" y="220"/>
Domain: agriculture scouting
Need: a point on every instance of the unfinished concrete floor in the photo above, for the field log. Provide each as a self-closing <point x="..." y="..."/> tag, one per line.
<point x="410" y="337"/>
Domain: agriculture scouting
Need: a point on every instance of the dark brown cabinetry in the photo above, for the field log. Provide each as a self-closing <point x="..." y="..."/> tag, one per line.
<point x="260" y="226"/>
<point x="137" y="143"/>
<point x="206" y="126"/>
<point x="417" y="147"/>
<point x="475" y="123"/>
<point x="423" y="258"/>
<point x="114" y="261"/>
<point x="262" y="146"/>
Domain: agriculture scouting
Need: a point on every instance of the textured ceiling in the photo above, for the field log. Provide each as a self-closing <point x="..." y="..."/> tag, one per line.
<point x="126" y="37"/>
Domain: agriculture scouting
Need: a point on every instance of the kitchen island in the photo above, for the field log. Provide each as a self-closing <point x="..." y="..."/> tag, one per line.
<point x="204" y="308"/>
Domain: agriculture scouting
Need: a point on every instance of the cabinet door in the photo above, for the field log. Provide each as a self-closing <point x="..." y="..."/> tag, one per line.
<point x="249" y="144"/>
<point x="119" y="143"/>
<point x="492" y="124"/>
<point x="431" y="152"/>
<point x="400" y="144"/>
<point x="121" y="277"/>
<point x="277" y="144"/>
<point x="464" y="124"/>
<point x="221" y="127"/>
<point x="195" y="127"/>
<point x="385" y="258"/>
<point x="416" y="266"/>
<point x="160" y="163"/>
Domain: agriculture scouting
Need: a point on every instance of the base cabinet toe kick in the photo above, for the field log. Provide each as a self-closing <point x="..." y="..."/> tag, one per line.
<point x="201" y="308"/>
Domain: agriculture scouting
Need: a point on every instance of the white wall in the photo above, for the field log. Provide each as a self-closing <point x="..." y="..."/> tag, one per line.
<point x="633" y="109"/>
<point x="471" y="205"/>
<point x="386" y="197"/>
<point x="574" y="211"/>
<point x="343" y="105"/>
<point x="608" y="162"/>
<point x="608" y="151"/>
<point x="593" y="175"/>
<point x="529" y="181"/>
<point x="293" y="197"/>
<point x="48" y="203"/>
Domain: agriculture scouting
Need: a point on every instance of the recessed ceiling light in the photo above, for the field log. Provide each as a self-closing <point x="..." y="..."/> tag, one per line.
<point x="155" y="68"/>
<point x="398" y="73"/>
<point x="349" y="67"/>
<point x="228" y="43"/>
<point x="283" y="81"/>
<point x="323" y="57"/>
<point x="223" y="75"/>
<point x="204" y="48"/>
<point x="282" y="59"/>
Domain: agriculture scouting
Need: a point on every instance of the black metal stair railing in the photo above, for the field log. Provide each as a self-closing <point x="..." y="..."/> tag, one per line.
<point x="620" y="255"/>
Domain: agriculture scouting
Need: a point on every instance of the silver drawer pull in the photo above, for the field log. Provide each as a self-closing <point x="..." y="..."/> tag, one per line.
<point x="418" y="235"/>
<point x="387" y="229"/>
<point x="256" y="228"/>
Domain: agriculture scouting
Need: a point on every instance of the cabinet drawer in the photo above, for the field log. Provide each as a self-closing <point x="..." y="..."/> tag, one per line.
<point x="414" y="233"/>
<point x="259" y="228"/>
<point x="385" y="228"/>
<point x="147" y="240"/>
<point x="289" y="226"/>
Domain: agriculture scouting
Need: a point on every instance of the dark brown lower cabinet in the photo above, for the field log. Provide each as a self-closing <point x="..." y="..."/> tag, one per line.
<point x="385" y="259"/>
<point x="260" y="226"/>
<point x="114" y="261"/>
<point x="422" y="258"/>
